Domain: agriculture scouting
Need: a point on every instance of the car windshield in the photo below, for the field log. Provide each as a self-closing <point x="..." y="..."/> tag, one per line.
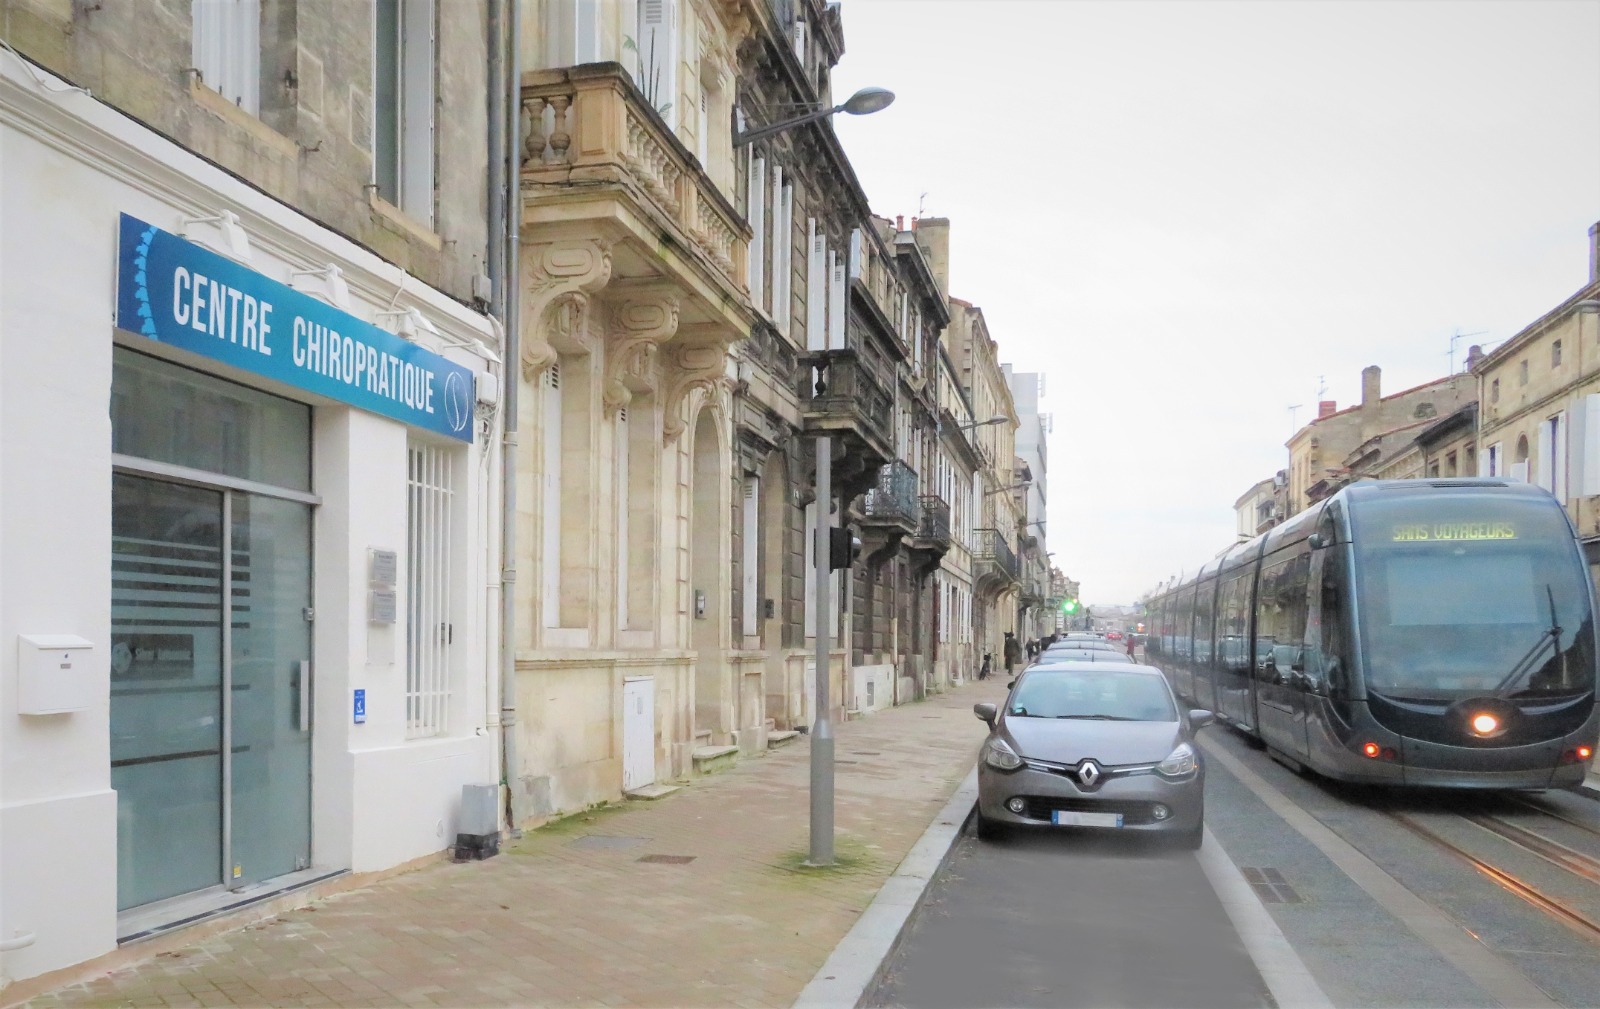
<point x="1115" y="696"/>
<point x="1471" y="595"/>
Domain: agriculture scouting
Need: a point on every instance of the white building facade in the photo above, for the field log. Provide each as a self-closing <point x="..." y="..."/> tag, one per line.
<point x="248" y="527"/>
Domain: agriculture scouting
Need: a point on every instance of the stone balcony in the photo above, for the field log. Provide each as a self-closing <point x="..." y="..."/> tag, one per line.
<point x="612" y="202"/>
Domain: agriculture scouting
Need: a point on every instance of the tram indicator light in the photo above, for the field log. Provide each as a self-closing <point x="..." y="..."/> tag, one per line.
<point x="1585" y="752"/>
<point x="1371" y="750"/>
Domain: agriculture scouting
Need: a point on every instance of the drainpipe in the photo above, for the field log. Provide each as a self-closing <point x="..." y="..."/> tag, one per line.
<point x="513" y="357"/>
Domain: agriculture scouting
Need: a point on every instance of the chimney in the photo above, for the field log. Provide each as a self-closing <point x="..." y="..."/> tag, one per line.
<point x="1474" y="357"/>
<point x="899" y="222"/>
<point x="1327" y="408"/>
<point x="1594" y="252"/>
<point x="933" y="235"/>
<point x="1371" y="382"/>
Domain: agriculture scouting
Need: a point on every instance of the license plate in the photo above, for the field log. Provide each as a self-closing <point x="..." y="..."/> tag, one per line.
<point x="1062" y="818"/>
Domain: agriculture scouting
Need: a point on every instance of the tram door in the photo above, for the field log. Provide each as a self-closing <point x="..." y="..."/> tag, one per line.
<point x="1282" y="610"/>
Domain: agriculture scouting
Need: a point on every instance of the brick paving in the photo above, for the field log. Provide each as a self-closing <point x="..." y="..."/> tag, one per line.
<point x="570" y="916"/>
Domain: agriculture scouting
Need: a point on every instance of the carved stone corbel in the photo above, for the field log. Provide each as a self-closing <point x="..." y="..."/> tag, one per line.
<point x="692" y="365"/>
<point x="639" y="322"/>
<point x="558" y="279"/>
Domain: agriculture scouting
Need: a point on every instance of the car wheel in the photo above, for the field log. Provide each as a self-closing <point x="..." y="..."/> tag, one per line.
<point x="988" y="830"/>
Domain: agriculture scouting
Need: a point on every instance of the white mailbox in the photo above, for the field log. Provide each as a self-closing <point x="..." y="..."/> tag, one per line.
<point x="53" y="673"/>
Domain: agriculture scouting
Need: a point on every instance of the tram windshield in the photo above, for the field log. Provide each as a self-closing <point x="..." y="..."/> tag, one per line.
<point x="1466" y="595"/>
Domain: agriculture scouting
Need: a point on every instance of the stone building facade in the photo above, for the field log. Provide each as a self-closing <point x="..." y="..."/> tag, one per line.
<point x="1539" y="405"/>
<point x="262" y="522"/>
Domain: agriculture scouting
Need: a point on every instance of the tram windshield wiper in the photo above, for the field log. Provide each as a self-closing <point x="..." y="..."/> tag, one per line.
<point x="1549" y="636"/>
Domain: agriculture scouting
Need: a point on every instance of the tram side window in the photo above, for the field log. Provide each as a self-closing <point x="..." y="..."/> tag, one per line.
<point x="1204" y="613"/>
<point x="1281" y="617"/>
<point x="1233" y="623"/>
<point x="1335" y="623"/>
<point x="1185" y="631"/>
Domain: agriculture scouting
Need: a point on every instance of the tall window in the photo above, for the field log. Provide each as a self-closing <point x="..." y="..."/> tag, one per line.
<point x="1555" y="354"/>
<point x="402" y="99"/>
<point x="756" y="214"/>
<point x="623" y="484"/>
<point x="658" y="56"/>
<point x="551" y="389"/>
<point x="749" y="562"/>
<point x="430" y="627"/>
<point x="573" y="32"/>
<point x="226" y="48"/>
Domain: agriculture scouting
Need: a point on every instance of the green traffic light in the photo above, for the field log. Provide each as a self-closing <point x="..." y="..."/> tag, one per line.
<point x="1070" y="606"/>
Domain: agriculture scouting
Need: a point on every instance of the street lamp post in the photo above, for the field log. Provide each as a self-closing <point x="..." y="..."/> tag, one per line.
<point x="863" y="102"/>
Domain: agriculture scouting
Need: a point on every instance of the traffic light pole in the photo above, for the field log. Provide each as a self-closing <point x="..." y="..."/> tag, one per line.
<point x="821" y="725"/>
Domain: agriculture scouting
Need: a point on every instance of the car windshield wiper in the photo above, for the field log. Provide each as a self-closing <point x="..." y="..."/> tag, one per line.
<point x="1549" y="636"/>
<point x="1105" y="718"/>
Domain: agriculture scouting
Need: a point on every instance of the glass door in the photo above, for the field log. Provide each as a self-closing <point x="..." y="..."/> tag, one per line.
<point x="270" y="779"/>
<point x="167" y="676"/>
<point x="210" y="718"/>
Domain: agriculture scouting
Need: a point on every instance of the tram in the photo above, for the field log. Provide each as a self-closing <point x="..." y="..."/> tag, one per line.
<point x="1435" y="633"/>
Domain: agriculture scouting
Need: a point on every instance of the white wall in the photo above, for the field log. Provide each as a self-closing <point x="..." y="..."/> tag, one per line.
<point x="68" y="167"/>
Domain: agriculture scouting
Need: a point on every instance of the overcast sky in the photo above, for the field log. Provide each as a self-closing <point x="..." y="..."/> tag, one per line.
<point x="1185" y="213"/>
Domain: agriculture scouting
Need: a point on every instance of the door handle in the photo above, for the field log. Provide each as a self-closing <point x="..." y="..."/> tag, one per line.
<point x="305" y="695"/>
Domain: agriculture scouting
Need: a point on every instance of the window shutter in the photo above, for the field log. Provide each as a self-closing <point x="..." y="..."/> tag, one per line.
<point x="816" y="287"/>
<point x="586" y="34"/>
<point x="1544" y="460"/>
<point x="783" y="240"/>
<point x="800" y="40"/>
<point x="703" y="131"/>
<point x="1587" y="451"/>
<point x="752" y="540"/>
<point x="417" y="59"/>
<point x="658" y="56"/>
<point x="836" y="302"/>
<point x="1559" y="455"/>
<point x="225" y="44"/>
<point x="1519" y="472"/>
<point x="552" y="496"/>
<point x="757" y="215"/>
<point x="855" y="253"/>
<point x="624" y="532"/>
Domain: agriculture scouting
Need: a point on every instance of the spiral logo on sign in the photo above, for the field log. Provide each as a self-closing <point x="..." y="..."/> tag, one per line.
<point x="141" y="293"/>
<point x="457" y="411"/>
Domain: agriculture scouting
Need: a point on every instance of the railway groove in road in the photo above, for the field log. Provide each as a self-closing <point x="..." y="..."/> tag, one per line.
<point x="1491" y="972"/>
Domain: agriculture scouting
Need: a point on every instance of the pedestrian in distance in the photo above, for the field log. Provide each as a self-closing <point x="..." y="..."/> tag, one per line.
<point x="1013" y="653"/>
<point x="983" y="671"/>
<point x="1130" y="646"/>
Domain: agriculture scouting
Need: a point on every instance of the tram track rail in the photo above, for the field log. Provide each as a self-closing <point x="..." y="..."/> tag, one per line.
<point x="1553" y="852"/>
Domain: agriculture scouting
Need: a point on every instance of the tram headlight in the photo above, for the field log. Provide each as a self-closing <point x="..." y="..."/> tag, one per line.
<point x="1484" y="723"/>
<point x="1180" y="763"/>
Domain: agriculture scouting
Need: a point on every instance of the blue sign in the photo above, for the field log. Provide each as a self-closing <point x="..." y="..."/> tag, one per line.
<point x="178" y="293"/>
<point x="361" y="706"/>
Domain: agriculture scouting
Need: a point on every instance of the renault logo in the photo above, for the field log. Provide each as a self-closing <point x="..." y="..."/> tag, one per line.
<point x="1088" y="773"/>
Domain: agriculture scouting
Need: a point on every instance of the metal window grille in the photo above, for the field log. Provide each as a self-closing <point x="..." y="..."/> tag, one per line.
<point x="429" y="631"/>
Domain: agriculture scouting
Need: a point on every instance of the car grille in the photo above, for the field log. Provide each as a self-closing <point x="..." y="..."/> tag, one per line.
<point x="1134" y="812"/>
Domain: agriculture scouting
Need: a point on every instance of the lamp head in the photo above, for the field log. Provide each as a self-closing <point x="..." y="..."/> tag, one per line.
<point x="868" y="100"/>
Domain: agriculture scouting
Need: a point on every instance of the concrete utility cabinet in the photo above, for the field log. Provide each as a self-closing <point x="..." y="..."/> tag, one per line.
<point x="53" y="673"/>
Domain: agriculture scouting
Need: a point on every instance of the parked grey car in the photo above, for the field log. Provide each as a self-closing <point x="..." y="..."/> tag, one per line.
<point x="1056" y="656"/>
<point x="1092" y="744"/>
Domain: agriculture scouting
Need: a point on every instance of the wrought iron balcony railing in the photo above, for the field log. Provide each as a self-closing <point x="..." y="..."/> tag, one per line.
<point x="845" y="395"/>
<point x="895" y="499"/>
<point x="989" y="545"/>
<point x="935" y="519"/>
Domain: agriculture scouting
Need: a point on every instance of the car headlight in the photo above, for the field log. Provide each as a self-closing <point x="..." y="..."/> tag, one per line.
<point x="1000" y="756"/>
<point x="1180" y="763"/>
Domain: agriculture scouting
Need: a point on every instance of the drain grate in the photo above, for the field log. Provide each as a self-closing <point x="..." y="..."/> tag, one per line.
<point x="667" y="859"/>
<point x="869" y="753"/>
<point x="838" y="761"/>
<point x="604" y="841"/>
<point x="1270" y="886"/>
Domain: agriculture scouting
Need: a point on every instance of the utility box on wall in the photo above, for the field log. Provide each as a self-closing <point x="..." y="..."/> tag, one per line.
<point x="53" y="673"/>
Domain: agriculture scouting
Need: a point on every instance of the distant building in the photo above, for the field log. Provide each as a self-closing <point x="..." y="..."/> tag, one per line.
<point x="1256" y="510"/>
<point x="1539" y="405"/>
<point x="1342" y="446"/>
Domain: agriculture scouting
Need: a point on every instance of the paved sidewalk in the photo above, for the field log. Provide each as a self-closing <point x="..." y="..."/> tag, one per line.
<point x="583" y="913"/>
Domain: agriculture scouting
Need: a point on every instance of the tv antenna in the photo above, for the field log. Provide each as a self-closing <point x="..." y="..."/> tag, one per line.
<point x="922" y="202"/>
<point x="1322" y="387"/>
<point x="1293" y="408"/>
<point x="1455" y="337"/>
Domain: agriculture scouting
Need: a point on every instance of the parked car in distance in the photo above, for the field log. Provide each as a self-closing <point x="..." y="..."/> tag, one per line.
<point x="1055" y="657"/>
<point x="1092" y="744"/>
<point x="1113" y="635"/>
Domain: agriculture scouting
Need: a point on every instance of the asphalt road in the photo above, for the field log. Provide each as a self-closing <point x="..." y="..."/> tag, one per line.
<point x="1064" y="919"/>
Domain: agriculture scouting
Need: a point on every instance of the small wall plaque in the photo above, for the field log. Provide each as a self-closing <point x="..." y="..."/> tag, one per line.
<point x="383" y="567"/>
<point x="381" y="606"/>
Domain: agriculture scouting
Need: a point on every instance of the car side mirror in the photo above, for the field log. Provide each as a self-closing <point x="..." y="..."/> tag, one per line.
<point x="1199" y="718"/>
<point x="1011" y="684"/>
<point x="986" y="711"/>
<point x="1319" y="541"/>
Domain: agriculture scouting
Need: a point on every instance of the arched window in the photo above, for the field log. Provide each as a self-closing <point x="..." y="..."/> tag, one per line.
<point x="1522" y="449"/>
